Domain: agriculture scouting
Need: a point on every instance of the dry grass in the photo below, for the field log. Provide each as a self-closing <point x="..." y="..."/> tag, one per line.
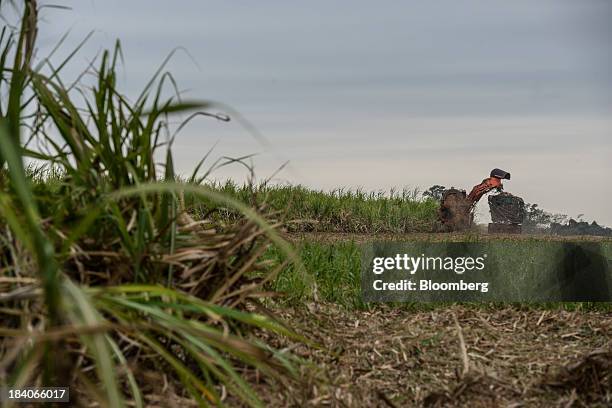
<point x="456" y="356"/>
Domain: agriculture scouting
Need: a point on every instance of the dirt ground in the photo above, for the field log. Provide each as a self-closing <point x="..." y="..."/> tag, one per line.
<point x="331" y="237"/>
<point x="453" y="356"/>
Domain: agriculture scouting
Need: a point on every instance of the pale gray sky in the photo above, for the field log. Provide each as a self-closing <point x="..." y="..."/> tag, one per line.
<point x="383" y="94"/>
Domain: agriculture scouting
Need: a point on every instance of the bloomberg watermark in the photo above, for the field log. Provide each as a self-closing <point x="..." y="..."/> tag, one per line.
<point x="517" y="271"/>
<point x="412" y="264"/>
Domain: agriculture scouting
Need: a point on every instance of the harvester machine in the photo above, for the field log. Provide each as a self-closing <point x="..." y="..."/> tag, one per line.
<point x="456" y="211"/>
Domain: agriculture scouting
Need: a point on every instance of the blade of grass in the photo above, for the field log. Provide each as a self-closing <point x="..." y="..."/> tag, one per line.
<point x="83" y="312"/>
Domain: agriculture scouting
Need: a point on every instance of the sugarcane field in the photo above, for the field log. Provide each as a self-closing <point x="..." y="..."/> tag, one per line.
<point x="305" y="204"/>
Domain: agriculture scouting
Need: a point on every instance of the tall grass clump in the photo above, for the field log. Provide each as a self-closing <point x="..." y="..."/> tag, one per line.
<point x="340" y="210"/>
<point x="107" y="284"/>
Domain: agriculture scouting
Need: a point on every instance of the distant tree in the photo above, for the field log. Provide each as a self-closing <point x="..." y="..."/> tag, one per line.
<point x="537" y="217"/>
<point x="435" y="192"/>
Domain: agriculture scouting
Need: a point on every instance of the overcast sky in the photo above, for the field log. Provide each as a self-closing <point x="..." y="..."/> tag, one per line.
<point x="382" y="94"/>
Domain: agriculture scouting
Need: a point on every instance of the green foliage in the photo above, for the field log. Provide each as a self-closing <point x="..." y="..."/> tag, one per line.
<point x="340" y="210"/>
<point x="332" y="274"/>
